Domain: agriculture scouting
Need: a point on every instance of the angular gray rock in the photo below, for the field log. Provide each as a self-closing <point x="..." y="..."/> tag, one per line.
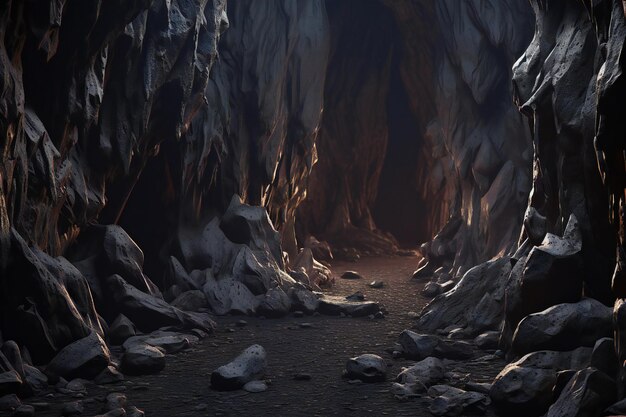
<point x="275" y="303"/>
<point x="226" y="295"/>
<point x="84" y="358"/>
<point x="367" y="368"/>
<point x="190" y="301"/>
<point x="334" y="306"/>
<point x="419" y="346"/>
<point x="248" y="366"/>
<point x="169" y="342"/>
<point x="351" y="275"/>
<point x="417" y="378"/>
<point x="255" y="387"/>
<point x="142" y="359"/>
<point x="564" y="327"/>
<point x="121" y="329"/>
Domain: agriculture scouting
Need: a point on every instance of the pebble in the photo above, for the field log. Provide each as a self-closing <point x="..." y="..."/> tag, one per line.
<point x="302" y="377"/>
<point x="376" y="284"/>
<point x="305" y="325"/>
<point x="255" y="386"/>
<point x="242" y="323"/>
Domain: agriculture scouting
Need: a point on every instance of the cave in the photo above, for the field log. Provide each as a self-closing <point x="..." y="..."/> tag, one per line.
<point x="321" y="207"/>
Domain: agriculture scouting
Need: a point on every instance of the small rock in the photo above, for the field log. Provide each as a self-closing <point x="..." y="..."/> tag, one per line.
<point x="487" y="340"/>
<point x="351" y="275"/>
<point x="379" y="315"/>
<point x="431" y="290"/>
<point x="376" y="284"/>
<point x="35" y="379"/>
<point x="110" y="375"/>
<point x="424" y="373"/>
<point x="480" y="387"/>
<point x="242" y="323"/>
<point x="255" y="386"/>
<point x="298" y="314"/>
<point x="86" y="358"/>
<point x="357" y="296"/>
<point x="246" y="367"/>
<point x="305" y="325"/>
<point x="368" y="368"/>
<point x="121" y="329"/>
<point x="76" y="386"/>
<point x="115" y="400"/>
<point x="451" y="401"/>
<point x="302" y="377"/>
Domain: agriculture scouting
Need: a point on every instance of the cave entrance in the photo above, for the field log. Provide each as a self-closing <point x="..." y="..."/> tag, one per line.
<point x="399" y="208"/>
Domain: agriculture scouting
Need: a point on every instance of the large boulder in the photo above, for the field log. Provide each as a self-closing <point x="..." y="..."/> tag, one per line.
<point x="552" y="274"/>
<point x="419" y="346"/>
<point x="588" y="392"/>
<point x="525" y="388"/>
<point x="367" y="368"/>
<point x="248" y="366"/>
<point x="564" y="327"/>
<point x="85" y="358"/>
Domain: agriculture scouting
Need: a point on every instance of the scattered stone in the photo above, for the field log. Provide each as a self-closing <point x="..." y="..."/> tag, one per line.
<point x="305" y="325"/>
<point x="74" y="408"/>
<point x="110" y="375"/>
<point x="418" y="346"/>
<point x="115" y="400"/>
<point x="76" y="386"/>
<point x="255" y="386"/>
<point x="480" y="387"/>
<point x="422" y="375"/>
<point x="451" y="401"/>
<point x="587" y="392"/>
<point x="336" y="306"/>
<point x="302" y="377"/>
<point x="248" y="366"/>
<point x="298" y="314"/>
<point x="143" y="360"/>
<point x="241" y="323"/>
<point x="447" y="286"/>
<point x="351" y="275"/>
<point x="564" y="327"/>
<point x="304" y="300"/>
<point x="376" y="284"/>
<point x="379" y="315"/>
<point x="169" y="342"/>
<point x="367" y="368"/>
<point x="357" y="296"/>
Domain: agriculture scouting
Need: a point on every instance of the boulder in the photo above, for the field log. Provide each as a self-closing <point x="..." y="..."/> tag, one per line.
<point x="35" y="379"/>
<point x="303" y="300"/>
<point x="604" y="358"/>
<point x="334" y="306"/>
<point x="110" y="375"/>
<point x="143" y="359"/>
<point x="431" y="290"/>
<point x="367" y="368"/>
<point x="317" y="275"/>
<point x="146" y="311"/>
<point x="84" y="358"/>
<point x="487" y="340"/>
<point x="121" y="329"/>
<point x="227" y="295"/>
<point x="190" y="301"/>
<point x="418" y="346"/>
<point x="525" y="387"/>
<point x="588" y="392"/>
<point x="276" y="303"/>
<point x="248" y="366"/>
<point x="564" y="327"/>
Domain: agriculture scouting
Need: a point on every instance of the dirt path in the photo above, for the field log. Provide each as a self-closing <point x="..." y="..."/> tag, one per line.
<point x="183" y="388"/>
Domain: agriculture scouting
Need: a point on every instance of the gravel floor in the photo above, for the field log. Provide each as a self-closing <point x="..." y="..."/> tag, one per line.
<point x="183" y="388"/>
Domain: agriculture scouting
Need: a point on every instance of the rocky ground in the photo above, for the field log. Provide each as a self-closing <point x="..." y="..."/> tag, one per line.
<point x="317" y="346"/>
